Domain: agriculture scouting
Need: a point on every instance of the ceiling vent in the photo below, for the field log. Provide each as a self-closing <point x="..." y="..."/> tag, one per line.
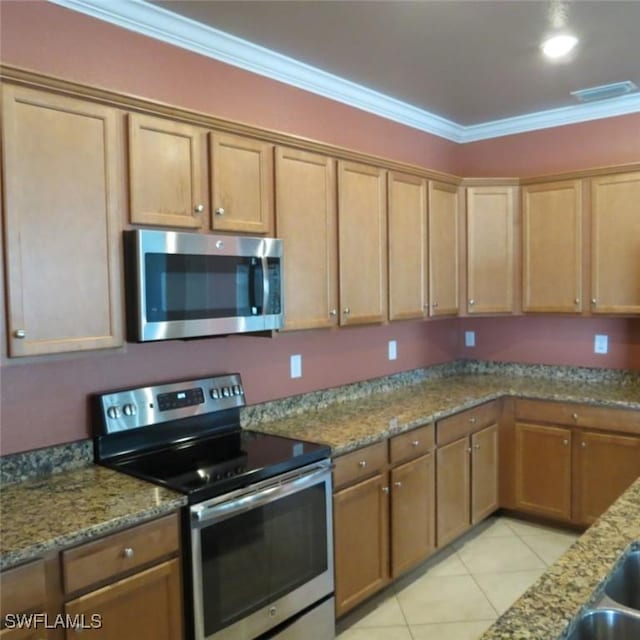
<point x="605" y="91"/>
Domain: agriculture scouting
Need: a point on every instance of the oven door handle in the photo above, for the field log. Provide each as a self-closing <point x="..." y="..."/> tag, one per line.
<point x="204" y="514"/>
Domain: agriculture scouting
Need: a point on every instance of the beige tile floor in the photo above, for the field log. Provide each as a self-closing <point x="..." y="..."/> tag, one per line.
<point x="457" y="594"/>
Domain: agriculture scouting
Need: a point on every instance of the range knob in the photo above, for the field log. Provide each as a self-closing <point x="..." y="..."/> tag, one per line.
<point x="237" y="390"/>
<point x="113" y="412"/>
<point x="226" y="392"/>
<point x="129" y="409"/>
<point x="215" y="394"/>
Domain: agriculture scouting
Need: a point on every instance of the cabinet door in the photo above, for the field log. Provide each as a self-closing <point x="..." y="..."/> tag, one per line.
<point x="443" y="249"/>
<point x="615" y="258"/>
<point x="145" y="606"/>
<point x="543" y="470"/>
<point x="37" y="633"/>
<point x="453" y="490"/>
<point x="552" y="247"/>
<point x="241" y="184"/>
<point x="605" y="466"/>
<point x="306" y="223"/>
<point x="484" y="473"/>
<point x="362" y="242"/>
<point x="412" y="513"/>
<point x="166" y="172"/>
<point x="361" y="544"/>
<point x="490" y="249"/>
<point x="64" y="192"/>
<point x="407" y="247"/>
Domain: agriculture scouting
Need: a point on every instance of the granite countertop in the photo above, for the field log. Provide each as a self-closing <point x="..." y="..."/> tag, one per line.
<point x="545" y="611"/>
<point x="56" y="511"/>
<point x="355" y="423"/>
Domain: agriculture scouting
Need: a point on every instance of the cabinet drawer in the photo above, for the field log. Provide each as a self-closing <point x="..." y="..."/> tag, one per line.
<point x="466" y="422"/>
<point x="22" y="588"/>
<point x="411" y="444"/>
<point x="359" y="464"/>
<point x="118" y="553"/>
<point x="581" y="415"/>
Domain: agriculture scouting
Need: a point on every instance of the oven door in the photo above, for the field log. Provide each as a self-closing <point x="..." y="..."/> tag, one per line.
<point x="262" y="555"/>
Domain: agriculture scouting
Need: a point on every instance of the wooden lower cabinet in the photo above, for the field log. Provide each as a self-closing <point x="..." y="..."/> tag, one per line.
<point x="24" y="634"/>
<point x="144" y="606"/>
<point x="484" y="473"/>
<point x="412" y="513"/>
<point x="543" y="470"/>
<point x="604" y="466"/>
<point x="361" y="540"/>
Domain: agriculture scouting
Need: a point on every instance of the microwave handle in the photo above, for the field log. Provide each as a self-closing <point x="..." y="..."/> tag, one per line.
<point x="256" y="283"/>
<point x="265" y="286"/>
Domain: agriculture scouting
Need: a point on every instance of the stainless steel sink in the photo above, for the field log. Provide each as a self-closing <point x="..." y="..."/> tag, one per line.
<point x="606" y="624"/>
<point x="623" y="585"/>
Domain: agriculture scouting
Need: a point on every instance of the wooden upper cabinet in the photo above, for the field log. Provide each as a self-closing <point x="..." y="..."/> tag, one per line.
<point x="64" y="195"/>
<point x="490" y="249"/>
<point x="444" y="214"/>
<point x="407" y="246"/>
<point x="362" y="242"/>
<point x="615" y="257"/>
<point x="306" y="222"/>
<point x="552" y="247"/>
<point x="241" y="184"/>
<point x="167" y="173"/>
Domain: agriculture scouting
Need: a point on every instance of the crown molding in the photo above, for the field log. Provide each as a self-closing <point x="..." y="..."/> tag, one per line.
<point x="160" y="24"/>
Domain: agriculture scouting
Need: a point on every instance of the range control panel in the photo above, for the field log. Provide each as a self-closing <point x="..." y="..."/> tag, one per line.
<point x="144" y="406"/>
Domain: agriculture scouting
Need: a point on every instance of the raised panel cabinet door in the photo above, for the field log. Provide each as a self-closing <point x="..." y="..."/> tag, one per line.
<point x="407" y="246"/>
<point x="306" y="222"/>
<point x="241" y="184"/>
<point x="443" y="233"/>
<point x="615" y="246"/>
<point x="484" y="473"/>
<point x="361" y="541"/>
<point x="543" y="470"/>
<point x="453" y="491"/>
<point x="167" y="174"/>
<point x="490" y="249"/>
<point x="605" y="466"/>
<point x="412" y="513"/>
<point x="362" y="242"/>
<point x="552" y="247"/>
<point x="144" y="606"/>
<point x="64" y="191"/>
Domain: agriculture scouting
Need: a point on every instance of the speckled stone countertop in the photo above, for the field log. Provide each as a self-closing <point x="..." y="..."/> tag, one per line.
<point x="545" y="611"/>
<point x="64" y="509"/>
<point x="354" y="423"/>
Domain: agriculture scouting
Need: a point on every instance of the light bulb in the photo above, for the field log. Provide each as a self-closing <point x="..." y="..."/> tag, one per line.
<point x="558" y="45"/>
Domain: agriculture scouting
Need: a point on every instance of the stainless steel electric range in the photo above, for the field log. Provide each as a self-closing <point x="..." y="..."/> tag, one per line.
<point x="257" y="531"/>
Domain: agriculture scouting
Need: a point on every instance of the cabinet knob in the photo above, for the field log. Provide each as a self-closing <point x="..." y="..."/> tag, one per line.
<point x="583" y="445"/>
<point x="127" y="552"/>
<point x="333" y="313"/>
<point x="415" y="443"/>
<point x="199" y="208"/>
<point x="469" y="449"/>
<point x="593" y="301"/>
<point x="20" y="333"/>
<point x="362" y="464"/>
<point x="473" y="419"/>
<point x="397" y="484"/>
<point x="565" y="442"/>
<point x="476" y="446"/>
<point x="577" y="301"/>
<point x="219" y="211"/>
<point x="346" y="311"/>
<point x="574" y="416"/>
<point x="472" y="302"/>
<point x="385" y="489"/>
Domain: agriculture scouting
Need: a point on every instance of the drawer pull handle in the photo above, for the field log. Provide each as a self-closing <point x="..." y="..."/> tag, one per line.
<point x="362" y="464"/>
<point x="473" y="420"/>
<point x="574" y="416"/>
<point x="415" y="443"/>
<point x="127" y="552"/>
<point x="397" y="484"/>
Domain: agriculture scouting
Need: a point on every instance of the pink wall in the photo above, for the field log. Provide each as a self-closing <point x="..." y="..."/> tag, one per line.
<point x="557" y="340"/>
<point x="45" y="401"/>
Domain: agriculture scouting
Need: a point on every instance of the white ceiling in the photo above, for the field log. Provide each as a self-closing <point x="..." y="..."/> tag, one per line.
<point x="452" y="67"/>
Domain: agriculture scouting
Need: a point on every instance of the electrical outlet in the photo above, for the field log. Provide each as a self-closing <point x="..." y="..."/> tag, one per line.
<point x="601" y="343"/>
<point x="296" y="366"/>
<point x="469" y="338"/>
<point x="393" y="350"/>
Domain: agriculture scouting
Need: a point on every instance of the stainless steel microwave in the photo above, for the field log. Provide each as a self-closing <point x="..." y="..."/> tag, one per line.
<point x="185" y="285"/>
